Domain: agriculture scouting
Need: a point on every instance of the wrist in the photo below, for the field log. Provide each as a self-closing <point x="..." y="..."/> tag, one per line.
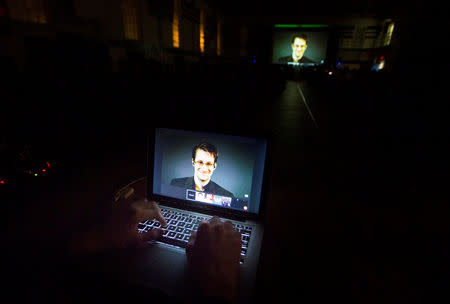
<point x="214" y="284"/>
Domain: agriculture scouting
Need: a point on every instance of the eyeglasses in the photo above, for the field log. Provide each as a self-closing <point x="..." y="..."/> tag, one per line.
<point x="201" y="163"/>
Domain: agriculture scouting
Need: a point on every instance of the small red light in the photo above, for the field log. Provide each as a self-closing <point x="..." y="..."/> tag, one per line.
<point x="48" y="164"/>
<point x="43" y="170"/>
<point x="2" y="182"/>
<point x="382" y="58"/>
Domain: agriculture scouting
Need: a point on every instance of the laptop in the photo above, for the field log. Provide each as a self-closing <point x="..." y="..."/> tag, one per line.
<point x="195" y="175"/>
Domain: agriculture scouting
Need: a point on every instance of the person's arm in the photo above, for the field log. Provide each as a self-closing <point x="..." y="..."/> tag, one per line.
<point x="120" y="230"/>
<point x="64" y="269"/>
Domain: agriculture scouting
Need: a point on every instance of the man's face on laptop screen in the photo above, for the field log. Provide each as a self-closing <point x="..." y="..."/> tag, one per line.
<point x="204" y="164"/>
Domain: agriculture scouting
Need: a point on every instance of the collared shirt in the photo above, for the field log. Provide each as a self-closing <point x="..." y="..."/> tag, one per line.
<point x="211" y="187"/>
<point x="289" y="59"/>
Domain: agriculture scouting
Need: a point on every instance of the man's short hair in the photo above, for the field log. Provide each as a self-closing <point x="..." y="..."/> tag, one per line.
<point x="301" y="36"/>
<point x="207" y="147"/>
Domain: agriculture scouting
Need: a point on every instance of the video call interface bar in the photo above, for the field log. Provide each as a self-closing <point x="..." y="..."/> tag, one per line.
<point x="217" y="200"/>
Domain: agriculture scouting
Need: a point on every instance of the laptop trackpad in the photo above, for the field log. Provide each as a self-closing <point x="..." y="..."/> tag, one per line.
<point x="159" y="267"/>
<point x="164" y="268"/>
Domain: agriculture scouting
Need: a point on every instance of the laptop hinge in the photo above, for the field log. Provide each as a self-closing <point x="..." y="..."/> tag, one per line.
<point x="222" y="214"/>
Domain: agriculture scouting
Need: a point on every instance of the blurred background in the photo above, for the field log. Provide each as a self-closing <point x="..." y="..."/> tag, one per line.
<point x="357" y="201"/>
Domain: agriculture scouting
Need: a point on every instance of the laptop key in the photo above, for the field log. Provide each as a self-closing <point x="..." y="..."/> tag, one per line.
<point x="243" y="231"/>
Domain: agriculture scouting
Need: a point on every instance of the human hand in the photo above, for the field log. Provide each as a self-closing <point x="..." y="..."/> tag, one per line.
<point x="214" y="252"/>
<point x="123" y="224"/>
<point x="120" y="230"/>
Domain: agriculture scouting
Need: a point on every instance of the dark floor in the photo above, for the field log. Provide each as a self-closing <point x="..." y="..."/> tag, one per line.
<point x="352" y="175"/>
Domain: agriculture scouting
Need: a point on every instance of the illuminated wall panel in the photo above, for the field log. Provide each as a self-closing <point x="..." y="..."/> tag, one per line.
<point x="389" y="32"/>
<point x="28" y="10"/>
<point x="219" y="37"/>
<point x="130" y="20"/>
<point x="176" y="23"/>
<point x="202" y="31"/>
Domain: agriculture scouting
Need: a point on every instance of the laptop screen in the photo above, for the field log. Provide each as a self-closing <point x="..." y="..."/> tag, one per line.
<point x="210" y="169"/>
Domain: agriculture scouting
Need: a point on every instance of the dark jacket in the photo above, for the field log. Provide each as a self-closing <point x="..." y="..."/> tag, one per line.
<point x="288" y="59"/>
<point x="211" y="187"/>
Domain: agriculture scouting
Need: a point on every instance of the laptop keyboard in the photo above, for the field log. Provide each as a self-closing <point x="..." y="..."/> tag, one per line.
<point x="180" y="226"/>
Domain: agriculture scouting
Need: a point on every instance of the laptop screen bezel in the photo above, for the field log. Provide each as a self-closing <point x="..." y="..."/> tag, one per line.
<point x="207" y="208"/>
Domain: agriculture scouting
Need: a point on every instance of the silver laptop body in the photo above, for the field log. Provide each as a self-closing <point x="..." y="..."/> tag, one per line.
<point x="239" y="180"/>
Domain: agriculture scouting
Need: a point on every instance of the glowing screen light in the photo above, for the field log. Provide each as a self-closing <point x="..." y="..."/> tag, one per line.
<point x="286" y="25"/>
<point x="300" y="46"/>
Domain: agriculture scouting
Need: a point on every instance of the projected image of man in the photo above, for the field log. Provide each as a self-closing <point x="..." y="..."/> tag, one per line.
<point x="204" y="161"/>
<point x="299" y="44"/>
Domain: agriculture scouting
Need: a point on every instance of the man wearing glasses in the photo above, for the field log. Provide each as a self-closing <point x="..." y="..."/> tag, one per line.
<point x="204" y="161"/>
<point x="299" y="44"/>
